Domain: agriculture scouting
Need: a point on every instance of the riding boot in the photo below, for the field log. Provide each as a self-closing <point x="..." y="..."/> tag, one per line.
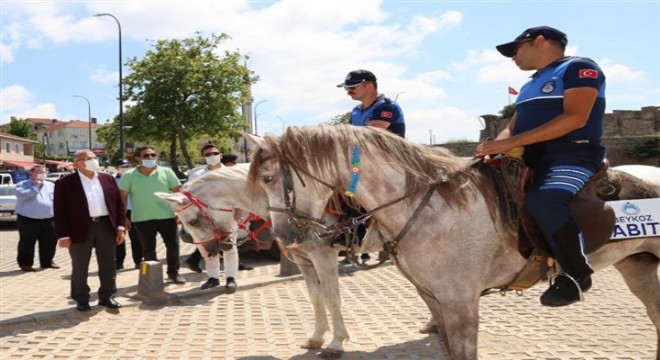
<point x="568" y="287"/>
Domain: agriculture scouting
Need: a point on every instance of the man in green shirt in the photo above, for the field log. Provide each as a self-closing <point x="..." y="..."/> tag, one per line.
<point x="151" y="215"/>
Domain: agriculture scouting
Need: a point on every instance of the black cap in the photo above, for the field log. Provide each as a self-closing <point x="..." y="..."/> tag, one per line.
<point x="531" y="33"/>
<point x="121" y="162"/>
<point x="356" y="77"/>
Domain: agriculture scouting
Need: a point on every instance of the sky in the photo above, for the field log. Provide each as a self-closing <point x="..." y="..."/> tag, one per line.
<point x="437" y="58"/>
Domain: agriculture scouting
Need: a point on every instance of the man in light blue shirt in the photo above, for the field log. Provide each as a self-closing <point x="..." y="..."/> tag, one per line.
<point x="34" y="209"/>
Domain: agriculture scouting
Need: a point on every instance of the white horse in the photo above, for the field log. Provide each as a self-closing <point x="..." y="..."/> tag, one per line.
<point x="438" y="217"/>
<point x="203" y="207"/>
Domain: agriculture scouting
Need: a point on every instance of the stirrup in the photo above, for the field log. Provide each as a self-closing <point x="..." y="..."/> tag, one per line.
<point x="577" y="284"/>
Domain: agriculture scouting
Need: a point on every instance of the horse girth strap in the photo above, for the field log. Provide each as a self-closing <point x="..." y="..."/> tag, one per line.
<point x="392" y="246"/>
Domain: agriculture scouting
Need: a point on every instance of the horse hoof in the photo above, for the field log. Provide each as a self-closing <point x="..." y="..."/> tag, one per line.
<point x="331" y="354"/>
<point x="429" y="329"/>
<point x="312" y="344"/>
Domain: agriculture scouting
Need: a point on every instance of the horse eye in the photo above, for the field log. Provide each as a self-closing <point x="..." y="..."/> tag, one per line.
<point x="267" y="179"/>
<point x="193" y="222"/>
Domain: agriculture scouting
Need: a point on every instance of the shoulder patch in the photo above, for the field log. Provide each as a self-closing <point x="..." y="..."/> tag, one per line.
<point x="386" y="114"/>
<point x="588" y="73"/>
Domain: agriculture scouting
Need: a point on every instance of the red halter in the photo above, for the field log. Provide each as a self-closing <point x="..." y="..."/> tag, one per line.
<point x="217" y="235"/>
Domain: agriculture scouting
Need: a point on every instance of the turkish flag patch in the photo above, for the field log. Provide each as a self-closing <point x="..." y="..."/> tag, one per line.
<point x="588" y="74"/>
<point x="386" y="114"/>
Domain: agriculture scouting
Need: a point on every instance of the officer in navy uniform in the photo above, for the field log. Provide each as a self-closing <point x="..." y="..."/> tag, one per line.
<point x="559" y="123"/>
<point x="374" y="110"/>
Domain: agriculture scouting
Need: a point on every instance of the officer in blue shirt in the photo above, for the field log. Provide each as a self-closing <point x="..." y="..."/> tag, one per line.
<point x="34" y="209"/>
<point x="559" y="123"/>
<point x="375" y="109"/>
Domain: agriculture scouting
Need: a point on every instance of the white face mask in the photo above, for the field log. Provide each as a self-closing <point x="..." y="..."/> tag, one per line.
<point x="213" y="159"/>
<point x="41" y="176"/>
<point x="92" y="164"/>
<point x="149" y="163"/>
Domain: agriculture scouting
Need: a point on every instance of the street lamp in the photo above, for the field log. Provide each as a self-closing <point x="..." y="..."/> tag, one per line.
<point x="121" y="90"/>
<point x="89" y="118"/>
<point x="282" y="120"/>
<point x="397" y="95"/>
<point x="256" y="114"/>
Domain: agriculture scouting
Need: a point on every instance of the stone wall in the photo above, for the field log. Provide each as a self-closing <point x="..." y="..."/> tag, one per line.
<point x="622" y="130"/>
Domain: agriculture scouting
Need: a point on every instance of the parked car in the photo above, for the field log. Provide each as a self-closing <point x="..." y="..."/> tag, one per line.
<point x="264" y="240"/>
<point x="52" y="177"/>
<point x="7" y="203"/>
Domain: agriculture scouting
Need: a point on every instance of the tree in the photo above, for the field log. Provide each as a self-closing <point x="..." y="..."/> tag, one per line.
<point x="344" y="118"/>
<point x="183" y="90"/>
<point x="508" y="111"/>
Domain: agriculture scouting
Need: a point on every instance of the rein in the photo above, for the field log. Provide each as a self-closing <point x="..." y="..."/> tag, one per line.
<point x="201" y="206"/>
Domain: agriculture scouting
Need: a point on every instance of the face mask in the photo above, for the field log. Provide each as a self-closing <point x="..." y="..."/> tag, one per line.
<point x="149" y="163"/>
<point x="92" y="164"/>
<point x="213" y="159"/>
<point x="41" y="176"/>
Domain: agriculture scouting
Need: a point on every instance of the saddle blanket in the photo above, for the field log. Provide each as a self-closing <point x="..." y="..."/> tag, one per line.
<point x="636" y="218"/>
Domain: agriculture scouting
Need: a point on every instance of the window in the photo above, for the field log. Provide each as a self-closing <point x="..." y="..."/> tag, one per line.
<point x="8" y="148"/>
<point x="17" y="149"/>
<point x="78" y="132"/>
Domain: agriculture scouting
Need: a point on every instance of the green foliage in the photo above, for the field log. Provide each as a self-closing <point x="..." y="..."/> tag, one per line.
<point x="344" y="118"/>
<point x="22" y="128"/>
<point x="508" y="111"/>
<point x="183" y="90"/>
<point x="647" y="149"/>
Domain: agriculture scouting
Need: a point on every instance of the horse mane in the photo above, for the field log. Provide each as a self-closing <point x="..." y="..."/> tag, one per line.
<point x="316" y="149"/>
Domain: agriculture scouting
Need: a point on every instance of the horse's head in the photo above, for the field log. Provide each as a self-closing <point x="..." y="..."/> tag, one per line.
<point x="297" y="199"/>
<point x="209" y="222"/>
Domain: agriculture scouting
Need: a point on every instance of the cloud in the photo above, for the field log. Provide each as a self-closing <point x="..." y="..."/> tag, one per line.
<point x="620" y="73"/>
<point x="17" y="101"/>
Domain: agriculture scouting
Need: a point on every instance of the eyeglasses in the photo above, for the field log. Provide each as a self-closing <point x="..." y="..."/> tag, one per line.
<point x="151" y="155"/>
<point x="517" y="46"/>
<point x="211" y="154"/>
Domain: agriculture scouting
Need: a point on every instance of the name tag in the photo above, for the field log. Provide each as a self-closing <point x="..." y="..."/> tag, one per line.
<point x="636" y="218"/>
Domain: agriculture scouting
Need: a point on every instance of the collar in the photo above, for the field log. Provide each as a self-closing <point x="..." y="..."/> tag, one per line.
<point x="553" y="64"/>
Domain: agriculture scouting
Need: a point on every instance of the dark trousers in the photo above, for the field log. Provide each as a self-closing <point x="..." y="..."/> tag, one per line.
<point x="560" y="170"/>
<point x="167" y="229"/>
<point x="136" y="246"/>
<point x="29" y="231"/>
<point x="101" y="237"/>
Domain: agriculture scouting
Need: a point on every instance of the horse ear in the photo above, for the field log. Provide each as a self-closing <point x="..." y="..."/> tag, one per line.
<point x="174" y="199"/>
<point x="254" y="139"/>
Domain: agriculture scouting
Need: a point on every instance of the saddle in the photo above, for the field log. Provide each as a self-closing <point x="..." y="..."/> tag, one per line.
<point x="593" y="214"/>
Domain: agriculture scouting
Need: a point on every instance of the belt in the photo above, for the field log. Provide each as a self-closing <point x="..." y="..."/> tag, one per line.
<point x="97" y="218"/>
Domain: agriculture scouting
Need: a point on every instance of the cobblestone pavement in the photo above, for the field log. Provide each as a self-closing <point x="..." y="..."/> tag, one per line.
<point x="269" y="317"/>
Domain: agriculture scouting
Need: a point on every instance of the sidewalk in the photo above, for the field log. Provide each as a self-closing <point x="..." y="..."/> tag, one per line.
<point x="43" y="296"/>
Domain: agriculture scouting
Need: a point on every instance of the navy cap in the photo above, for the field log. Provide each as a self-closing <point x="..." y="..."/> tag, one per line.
<point x="357" y="77"/>
<point x="121" y="162"/>
<point x="548" y="32"/>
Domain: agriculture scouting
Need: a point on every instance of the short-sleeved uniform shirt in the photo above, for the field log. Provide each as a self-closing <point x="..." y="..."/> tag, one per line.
<point x="382" y="109"/>
<point x="542" y="98"/>
<point x="145" y="205"/>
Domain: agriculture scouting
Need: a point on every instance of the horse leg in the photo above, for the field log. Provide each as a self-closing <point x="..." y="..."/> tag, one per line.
<point x="640" y="272"/>
<point x="459" y="325"/>
<point x="324" y="259"/>
<point x="431" y="325"/>
<point x="321" y="319"/>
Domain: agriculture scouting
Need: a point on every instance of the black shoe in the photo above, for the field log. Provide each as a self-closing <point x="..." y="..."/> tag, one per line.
<point x="27" y="268"/>
<point x="51" y="266"/>
<point x="242" y="266"/>
<point x="83" y="306"/>
<point x="365" y="256"/>
<point x="564" y="291"/>
<point x="231" y="284"/>
<point x="210" y="283"/>
<point x="192" y="266"/>
<point x="176" y="278"/>
<point x="110" y="303"/>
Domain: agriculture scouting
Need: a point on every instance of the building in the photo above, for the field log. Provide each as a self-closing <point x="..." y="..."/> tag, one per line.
<point x="16" y="153"/>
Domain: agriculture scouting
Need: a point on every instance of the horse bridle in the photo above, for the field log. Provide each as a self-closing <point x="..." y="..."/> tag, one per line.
<point x="201" y="206"/>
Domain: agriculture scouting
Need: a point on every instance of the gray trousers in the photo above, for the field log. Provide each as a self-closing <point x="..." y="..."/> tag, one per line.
<point x="101" y="237"/>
